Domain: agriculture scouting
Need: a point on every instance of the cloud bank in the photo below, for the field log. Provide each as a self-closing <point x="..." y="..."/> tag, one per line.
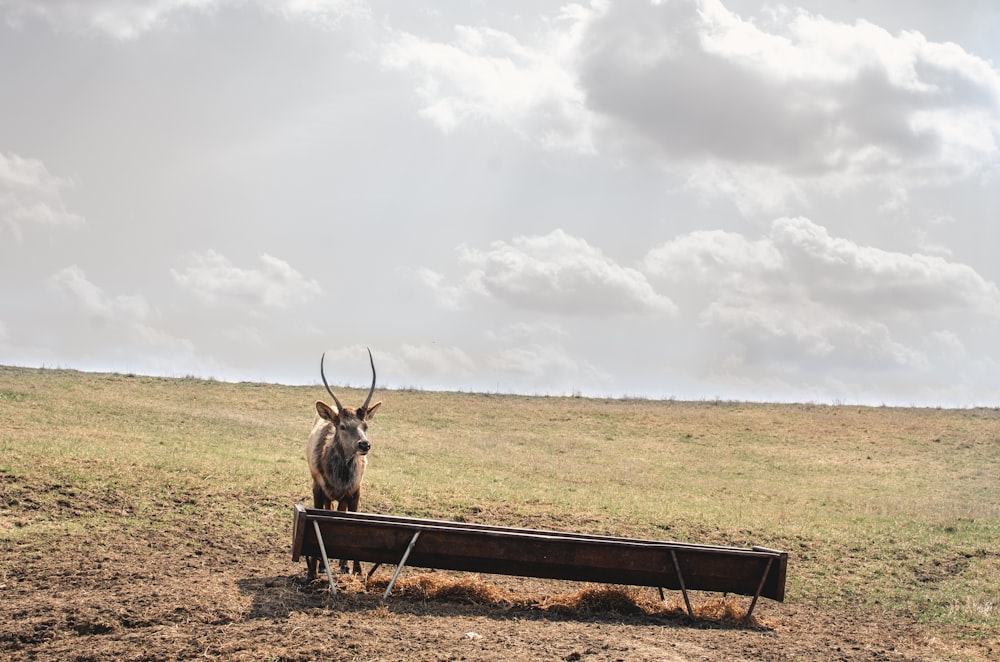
<point x="766" y="114"/>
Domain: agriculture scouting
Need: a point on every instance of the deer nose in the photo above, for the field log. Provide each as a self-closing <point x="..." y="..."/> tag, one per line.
<point x="364" y="446"/>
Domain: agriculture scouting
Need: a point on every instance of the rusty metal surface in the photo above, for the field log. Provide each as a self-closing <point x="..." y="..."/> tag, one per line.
<point x="545" y="554"/>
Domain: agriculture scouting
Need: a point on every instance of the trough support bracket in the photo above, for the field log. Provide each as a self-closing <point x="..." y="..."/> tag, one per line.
<point x="326" y="559"/>
<point x="680" y="580"/>
<point x="402" y="562"/>
<point x="760" y="587"/>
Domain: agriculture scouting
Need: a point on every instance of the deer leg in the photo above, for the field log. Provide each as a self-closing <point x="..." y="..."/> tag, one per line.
<point x="319" y="497"/>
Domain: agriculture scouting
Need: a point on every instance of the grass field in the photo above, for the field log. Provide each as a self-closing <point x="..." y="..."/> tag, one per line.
<point x="889" y="514"/>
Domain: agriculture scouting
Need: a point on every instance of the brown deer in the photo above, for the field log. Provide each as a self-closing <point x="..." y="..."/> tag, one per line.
<point x="337" y="453"/>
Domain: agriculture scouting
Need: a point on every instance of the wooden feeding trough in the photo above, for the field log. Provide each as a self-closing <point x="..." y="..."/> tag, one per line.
<point x="502" y="550"/>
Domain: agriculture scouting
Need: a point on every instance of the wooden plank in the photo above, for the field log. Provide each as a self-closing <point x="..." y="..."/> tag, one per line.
<point x="413" y="521"/>
<point x="546" y="554"/>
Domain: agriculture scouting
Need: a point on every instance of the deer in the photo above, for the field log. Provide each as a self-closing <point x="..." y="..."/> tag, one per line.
<point x="337" y="452"/>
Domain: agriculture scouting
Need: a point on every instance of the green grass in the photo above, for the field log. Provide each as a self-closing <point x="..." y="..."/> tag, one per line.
<point x="882" y="509"/>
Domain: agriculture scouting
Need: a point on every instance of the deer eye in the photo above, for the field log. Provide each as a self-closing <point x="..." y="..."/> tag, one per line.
<point x="343" y="427"/>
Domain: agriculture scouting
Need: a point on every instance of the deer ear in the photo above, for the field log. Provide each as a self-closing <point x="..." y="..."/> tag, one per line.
<point x="326" y="412"/>
<point x="370" y="414"/>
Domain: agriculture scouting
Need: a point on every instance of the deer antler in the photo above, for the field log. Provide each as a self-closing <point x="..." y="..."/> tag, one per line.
<point x="328" y="389"/>
<point x="364" y="407"/>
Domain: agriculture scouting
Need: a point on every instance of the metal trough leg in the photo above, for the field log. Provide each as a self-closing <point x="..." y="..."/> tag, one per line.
<point x="402" y="562"/>
<point x="371" y="572"/>
<point x="326" y="560"/>
<point x="760" y="587"/>
<point x="680" y="580"/>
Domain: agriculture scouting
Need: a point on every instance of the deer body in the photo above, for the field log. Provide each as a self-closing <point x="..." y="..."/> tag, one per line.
<point x="337" y="453"/>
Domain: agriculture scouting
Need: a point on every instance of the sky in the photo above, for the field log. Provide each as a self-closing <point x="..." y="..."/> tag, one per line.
<point x="689" y="199"/>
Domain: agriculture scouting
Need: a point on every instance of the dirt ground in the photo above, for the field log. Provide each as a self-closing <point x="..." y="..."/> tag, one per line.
<point x="184" y="594"/>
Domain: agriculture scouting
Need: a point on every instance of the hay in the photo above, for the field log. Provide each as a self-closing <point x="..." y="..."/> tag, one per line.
<point x="592" y="599"/>
<point x="598" y="598"/>
<point x="434" y="586"/>
<point x="725" y="610"/>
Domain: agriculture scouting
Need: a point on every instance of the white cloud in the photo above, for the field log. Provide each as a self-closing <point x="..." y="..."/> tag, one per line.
<point x="554" y="273"/>
<point x="447" y="296"/>
<point x="800" y="255"/>
<point x="486" y="75"/>
<point x="802" y="334"/>
<point x="801" y="295"/>
<point x="73" y="281"/>
<point x="865" y="279"/>
<point x="126" y="313"/>
<point x="214" y="279"/>
<point x="712" y="256"/>
<point x="121" y="19"/>
<point x="755" y="189"/>
<point x="30" y="194"/>
<point x="131" y="19"/>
